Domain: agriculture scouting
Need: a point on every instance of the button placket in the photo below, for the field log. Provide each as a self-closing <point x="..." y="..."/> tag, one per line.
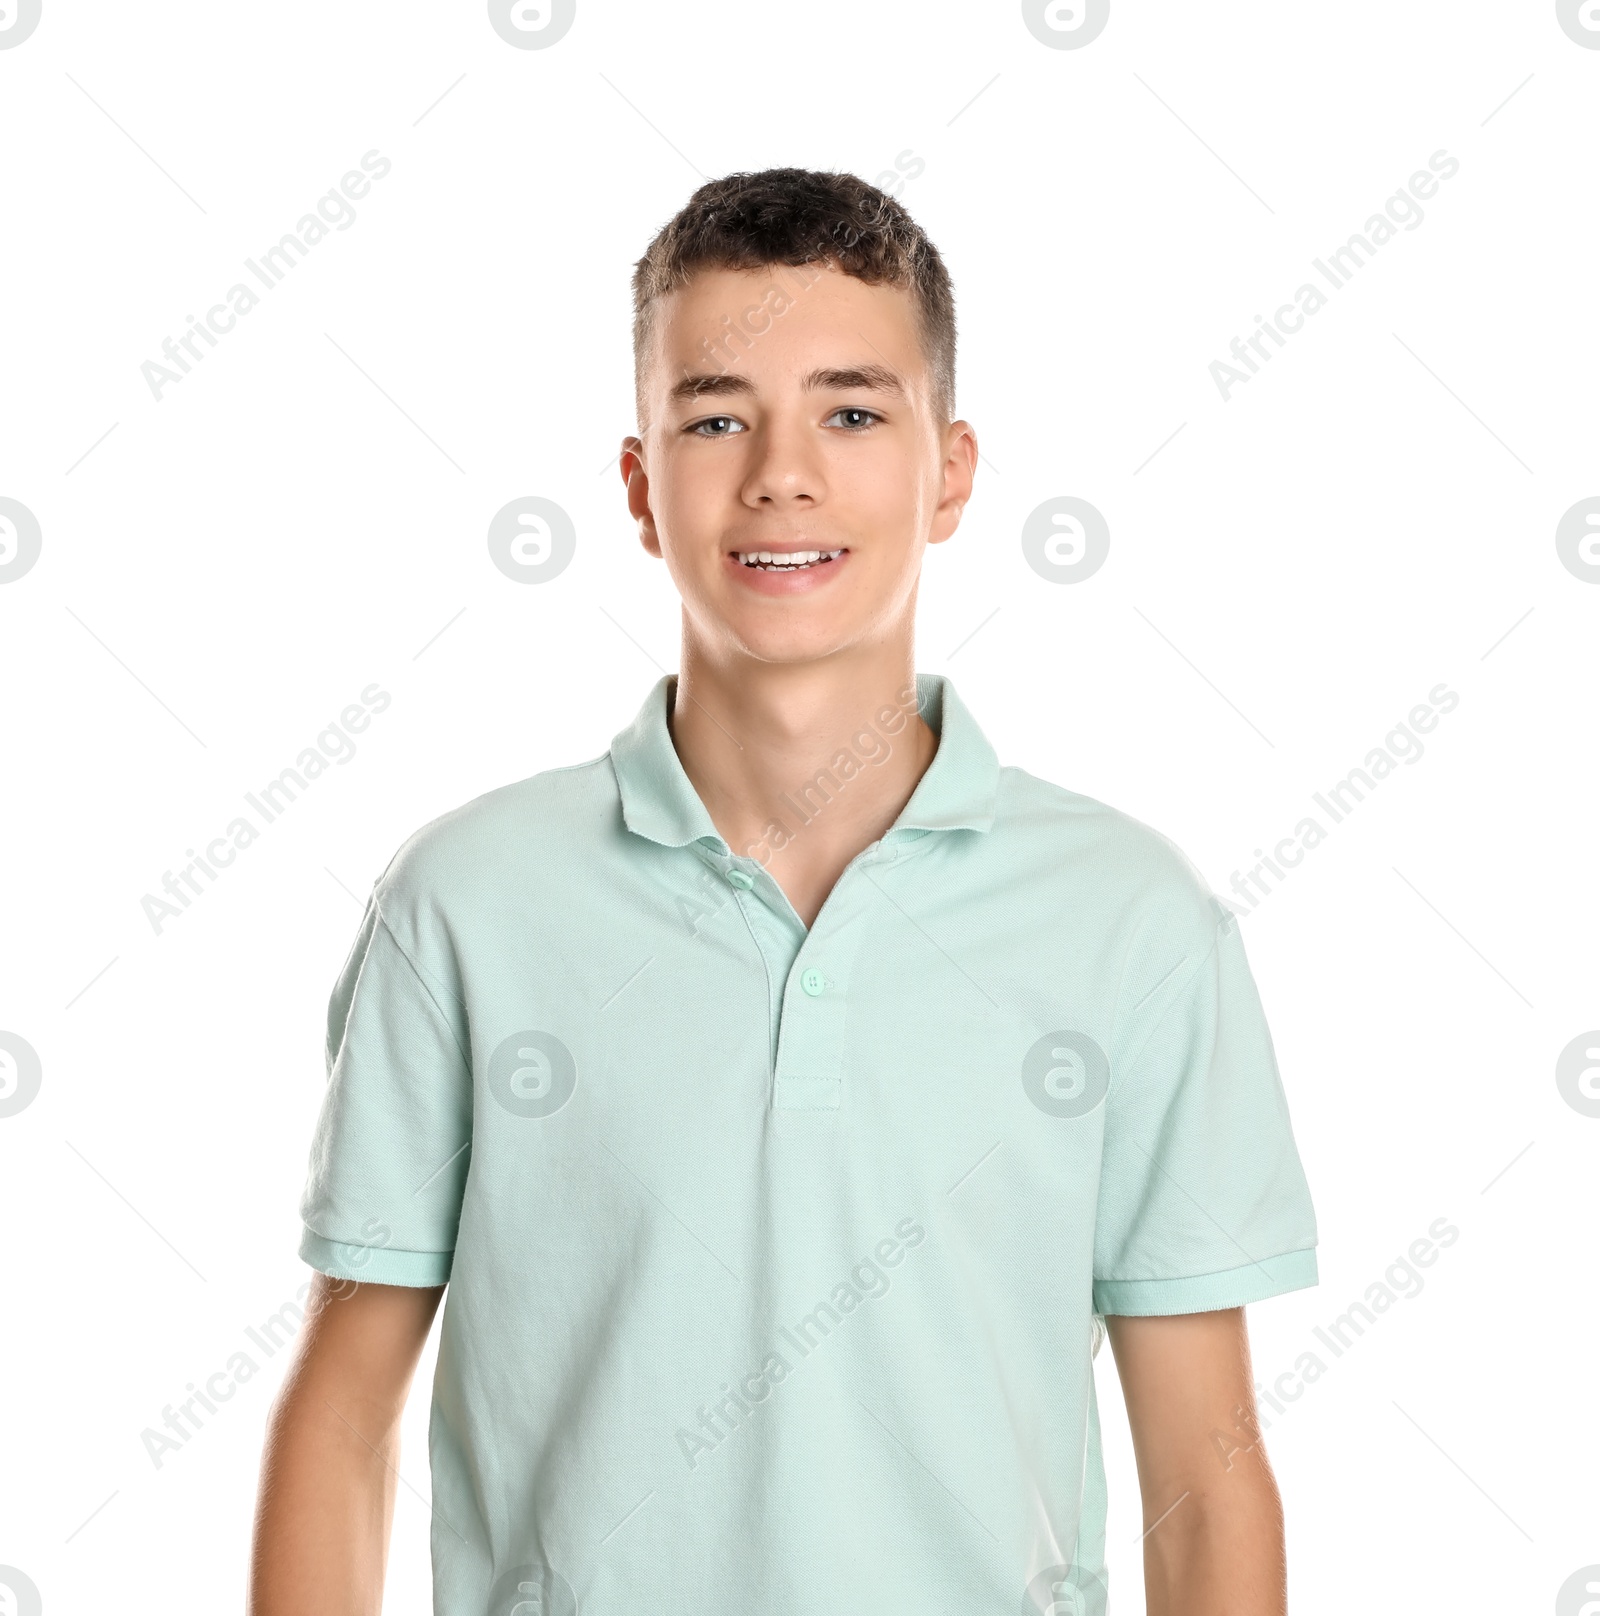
<point x="773" y="932"/>
<point x="725" y="869"/>
<point x="810" y="1071"/>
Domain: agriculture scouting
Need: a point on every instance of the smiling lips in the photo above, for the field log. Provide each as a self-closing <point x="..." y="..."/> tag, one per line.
<point x="785" y="560"/>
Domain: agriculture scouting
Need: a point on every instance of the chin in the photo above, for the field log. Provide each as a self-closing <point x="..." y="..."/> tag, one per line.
<point x="791" y="655"/>
<point x="788" y="648"/>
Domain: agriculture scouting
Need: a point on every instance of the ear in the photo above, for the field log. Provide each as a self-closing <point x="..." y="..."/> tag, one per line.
<point x="630" y="462"/>
<point x="959" y="468"/>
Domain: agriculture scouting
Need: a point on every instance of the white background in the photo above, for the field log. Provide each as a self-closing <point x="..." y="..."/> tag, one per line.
<point x="224" y="570"/>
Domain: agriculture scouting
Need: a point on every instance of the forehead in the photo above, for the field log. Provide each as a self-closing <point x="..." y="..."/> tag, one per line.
<point x="767" y="320"/>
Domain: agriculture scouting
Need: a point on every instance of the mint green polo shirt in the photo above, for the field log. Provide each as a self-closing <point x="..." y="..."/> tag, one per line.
<point x="774" y="1253"/>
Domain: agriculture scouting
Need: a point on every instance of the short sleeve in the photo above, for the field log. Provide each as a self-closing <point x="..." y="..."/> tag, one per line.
<point x="389" y="1157"/>
<point x="1203" y="1202"/>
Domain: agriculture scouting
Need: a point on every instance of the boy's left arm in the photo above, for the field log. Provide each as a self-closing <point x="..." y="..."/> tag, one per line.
<point x="1214" y="1543"/>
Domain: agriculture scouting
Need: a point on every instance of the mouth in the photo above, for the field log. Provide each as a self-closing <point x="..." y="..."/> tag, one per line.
<point x="786" y="560"/>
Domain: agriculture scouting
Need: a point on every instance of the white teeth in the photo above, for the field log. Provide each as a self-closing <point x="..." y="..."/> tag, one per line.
<point x="792" y="560"/>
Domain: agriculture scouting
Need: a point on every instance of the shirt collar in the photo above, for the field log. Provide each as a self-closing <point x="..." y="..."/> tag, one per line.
<point x="956" y="792"/>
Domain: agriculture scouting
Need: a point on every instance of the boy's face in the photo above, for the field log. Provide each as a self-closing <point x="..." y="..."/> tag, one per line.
<point x="817" y="433"/>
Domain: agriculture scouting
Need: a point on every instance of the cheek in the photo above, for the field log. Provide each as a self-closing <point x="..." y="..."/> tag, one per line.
<point x="890" y="483"/>
<point x="689" y="495"/>
<point x="890" y="500"/>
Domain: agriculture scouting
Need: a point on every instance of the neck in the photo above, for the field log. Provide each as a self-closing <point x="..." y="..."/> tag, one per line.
<point x="802" y="765"/>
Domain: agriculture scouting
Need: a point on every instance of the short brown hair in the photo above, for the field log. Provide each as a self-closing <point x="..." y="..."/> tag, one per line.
<point x="798" y="216"/>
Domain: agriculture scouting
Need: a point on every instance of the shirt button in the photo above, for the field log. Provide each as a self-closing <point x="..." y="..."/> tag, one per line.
<point x="737" y="878"/>
<point x="813" y="982"/>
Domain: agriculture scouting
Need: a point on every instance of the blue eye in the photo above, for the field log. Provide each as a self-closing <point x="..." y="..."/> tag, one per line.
<point x="713" y="418"/>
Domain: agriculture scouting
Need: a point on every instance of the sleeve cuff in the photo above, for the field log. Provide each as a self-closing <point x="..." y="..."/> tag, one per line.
<point x="376" y="1265"/>
<point x="1204" y="1293"/>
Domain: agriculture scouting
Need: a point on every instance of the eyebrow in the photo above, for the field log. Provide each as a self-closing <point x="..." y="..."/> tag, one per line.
<point x="830" y="379"/>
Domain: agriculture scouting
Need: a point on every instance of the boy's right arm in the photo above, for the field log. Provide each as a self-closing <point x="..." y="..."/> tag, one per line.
<point x="329" y="1467"/>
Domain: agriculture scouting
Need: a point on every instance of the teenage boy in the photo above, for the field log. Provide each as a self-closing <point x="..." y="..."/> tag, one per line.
<point x="786" y="1094"/>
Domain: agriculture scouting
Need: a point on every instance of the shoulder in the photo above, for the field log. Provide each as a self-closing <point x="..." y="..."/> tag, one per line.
<point x="498" y="838"/>
<point x="1135" y="880"/>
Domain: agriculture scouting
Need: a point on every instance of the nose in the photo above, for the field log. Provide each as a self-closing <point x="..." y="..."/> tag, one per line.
<point x="785" y="468"/>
